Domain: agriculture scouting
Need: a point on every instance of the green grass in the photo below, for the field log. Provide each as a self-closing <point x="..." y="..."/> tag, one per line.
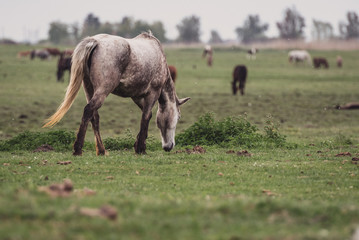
<point x="305" y="192"/>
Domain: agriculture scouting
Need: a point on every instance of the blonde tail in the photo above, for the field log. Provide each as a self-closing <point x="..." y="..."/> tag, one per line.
<point x="80" y="59"/>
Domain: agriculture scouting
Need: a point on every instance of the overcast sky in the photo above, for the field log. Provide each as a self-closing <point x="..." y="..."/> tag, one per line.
<point x="30" y="19"/>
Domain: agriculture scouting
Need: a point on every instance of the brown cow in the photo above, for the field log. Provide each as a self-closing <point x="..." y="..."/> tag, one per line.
<point x="53" y="51"/>
<point x="23" y="54"/>
<point x="209" y="53"/>
<point x="320" y="62"/>
<point x="339" y="61"/>
<point x="173" y="72"/>
<point x="240" y="76"/>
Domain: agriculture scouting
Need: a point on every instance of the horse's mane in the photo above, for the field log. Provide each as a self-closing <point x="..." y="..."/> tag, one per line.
<point x="147" y="34"/>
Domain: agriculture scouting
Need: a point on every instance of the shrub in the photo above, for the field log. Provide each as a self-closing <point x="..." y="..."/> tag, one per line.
<point x="60" y="140"/>
<point x="232" y="131"/>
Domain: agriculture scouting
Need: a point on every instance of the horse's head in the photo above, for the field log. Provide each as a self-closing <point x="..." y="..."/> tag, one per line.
<point x="167" y="118"/>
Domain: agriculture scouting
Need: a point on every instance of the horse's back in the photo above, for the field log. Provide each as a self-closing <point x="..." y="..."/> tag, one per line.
<point x="130" y="66"/>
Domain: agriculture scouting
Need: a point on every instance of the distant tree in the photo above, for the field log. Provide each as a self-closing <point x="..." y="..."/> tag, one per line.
<point x="130" y="28"/>
<point x="189" y="30"/>
<point x="58" y="32"/>
<point x="292" y="25"/>
<point x="322" y="30"/>
<point x="351" y="29"/>
<point x="252" y="30"/>
<point x="75" y="32"/>
<point x="125" y="27"/>
<point x="215" y="38"/>
<point x="140" y="27"/>
<point x="91" y="25"/>
<point x="106" y="28"/>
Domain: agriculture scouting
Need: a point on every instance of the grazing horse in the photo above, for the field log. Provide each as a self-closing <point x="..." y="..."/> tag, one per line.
<point x="319" y="62"/>
<point x="63" y="64"/>
<point x="53" y="51"/>
<point x="251" y="53"/>
<point x="339" y="61"/>
<point x="209" y="53"/>
<point x="173" y="72"/>
<point x="299" y="56"/>
<point x="240" y="76"/>
<point x="135" y="68"/>
<point x="42" y="54"/>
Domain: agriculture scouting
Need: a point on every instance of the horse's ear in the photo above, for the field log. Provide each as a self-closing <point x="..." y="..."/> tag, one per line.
<point x="183" y="101"/>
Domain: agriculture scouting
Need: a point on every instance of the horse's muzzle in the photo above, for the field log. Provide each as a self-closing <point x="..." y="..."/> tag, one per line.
<point x="168" y="148"/>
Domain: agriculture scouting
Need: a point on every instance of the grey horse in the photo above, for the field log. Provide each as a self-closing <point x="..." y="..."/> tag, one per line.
<point x="135" y="68"/>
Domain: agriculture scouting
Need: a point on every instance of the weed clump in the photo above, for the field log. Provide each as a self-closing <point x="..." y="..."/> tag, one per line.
<point x="60" y="140"/>
<point x="232" y="131"/>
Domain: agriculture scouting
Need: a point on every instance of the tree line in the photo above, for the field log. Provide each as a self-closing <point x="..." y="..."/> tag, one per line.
<point x="189" y="29"/>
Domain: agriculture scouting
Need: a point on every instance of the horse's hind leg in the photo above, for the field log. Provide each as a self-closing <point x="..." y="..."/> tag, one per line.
<point x="234" y="87"/>
<point x="89" y="111"/>
<point x="95" y="121"/>
<point x="241" y="86"/>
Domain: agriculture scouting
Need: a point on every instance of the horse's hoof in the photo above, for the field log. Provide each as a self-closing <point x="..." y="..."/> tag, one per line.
<point x="102" y="153"/>
<point x="77" y="153"/>
<point x="140" y="148"/>
<point x="140" y="151"/>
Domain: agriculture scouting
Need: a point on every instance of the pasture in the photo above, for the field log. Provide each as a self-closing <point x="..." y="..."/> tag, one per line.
<point x="309" y="191"/>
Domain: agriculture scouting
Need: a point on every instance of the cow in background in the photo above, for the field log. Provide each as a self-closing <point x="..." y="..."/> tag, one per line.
<point x="239" y="78"/>
<point x="320" y="62"/>
<point x="209" y="53"/>
<point x="251" y="53"/>
<point x="173" y="72"/>
<point x="339" y="61"/>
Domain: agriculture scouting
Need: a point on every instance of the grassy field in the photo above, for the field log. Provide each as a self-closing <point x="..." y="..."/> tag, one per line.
<point x="307" y="192"/>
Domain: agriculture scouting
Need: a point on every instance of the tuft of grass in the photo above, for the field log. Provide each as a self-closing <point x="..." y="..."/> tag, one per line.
<point x="232" y="131"/>
<point x="60" y="140"/>
<point x="337" y="141"/>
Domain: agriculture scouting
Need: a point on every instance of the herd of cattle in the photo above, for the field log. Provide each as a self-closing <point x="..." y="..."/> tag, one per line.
<point x="296" y="56"/>
<point x="63" y="63"/>
<point x="239" y="72"/>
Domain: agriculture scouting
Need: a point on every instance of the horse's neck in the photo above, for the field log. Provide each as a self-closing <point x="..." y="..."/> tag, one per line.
<point x="168" y="94"/>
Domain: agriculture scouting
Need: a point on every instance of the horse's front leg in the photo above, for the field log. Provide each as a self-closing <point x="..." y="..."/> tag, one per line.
<point x="140" y="144"/>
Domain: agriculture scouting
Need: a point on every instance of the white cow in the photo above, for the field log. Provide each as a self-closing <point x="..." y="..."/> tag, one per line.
<point x="299" y="56"/>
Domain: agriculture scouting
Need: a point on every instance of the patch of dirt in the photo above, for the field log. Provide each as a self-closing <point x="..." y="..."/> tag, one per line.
<point x="195" y="150"/>
<point x="58" y="189"/>
<point x="104" y="212"/>
<point x="44" y="148"/>
<point x="268" y="192"/>
<point x="64" y="163"/>
<point x="344" y="154"/>
<point x="240" y="153"/>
